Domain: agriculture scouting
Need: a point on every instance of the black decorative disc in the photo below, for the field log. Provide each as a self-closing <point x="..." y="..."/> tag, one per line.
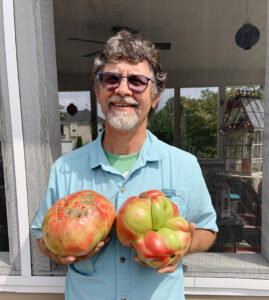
<point x="72" y="109"/>
<point x="247" y="36"/>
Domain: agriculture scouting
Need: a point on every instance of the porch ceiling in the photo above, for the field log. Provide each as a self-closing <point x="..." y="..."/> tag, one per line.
<point x="202" y="35"/>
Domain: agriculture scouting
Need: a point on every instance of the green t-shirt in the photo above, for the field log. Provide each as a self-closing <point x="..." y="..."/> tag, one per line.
<point x="122" y="163"/>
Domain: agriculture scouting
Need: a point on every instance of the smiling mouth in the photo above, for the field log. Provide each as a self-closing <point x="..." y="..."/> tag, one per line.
<point x="124" y="105"/>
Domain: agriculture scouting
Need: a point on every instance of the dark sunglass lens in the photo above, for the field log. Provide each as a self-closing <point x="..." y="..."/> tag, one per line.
<point x="110" y="81"/>
<point x="138" y="80"/>
<point x="137" y="83"/>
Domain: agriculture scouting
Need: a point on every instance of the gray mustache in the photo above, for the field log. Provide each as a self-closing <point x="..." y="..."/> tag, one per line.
<point x="123" y="100"/>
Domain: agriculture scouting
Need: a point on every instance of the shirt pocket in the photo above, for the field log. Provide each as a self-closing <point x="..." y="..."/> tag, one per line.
<point x="177" y="196"/>
<point x="91" y="266"/>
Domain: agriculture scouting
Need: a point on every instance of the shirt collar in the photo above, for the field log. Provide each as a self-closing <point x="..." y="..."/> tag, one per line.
<point x="97" y="156"/>
<point x="150" y="151"/>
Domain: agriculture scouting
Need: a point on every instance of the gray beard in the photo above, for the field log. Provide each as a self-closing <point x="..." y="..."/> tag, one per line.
<point x="121" y="120"/>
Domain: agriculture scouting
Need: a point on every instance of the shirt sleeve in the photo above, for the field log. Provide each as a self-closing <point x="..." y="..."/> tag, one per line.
<point x="199" y="208"/>
<point x="51" y="196"/>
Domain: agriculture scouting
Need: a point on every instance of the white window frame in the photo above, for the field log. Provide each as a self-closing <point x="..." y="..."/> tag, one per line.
<point x="73" y="130"/>
<point x="17" y="136"/>
<point x="55" y="284"/>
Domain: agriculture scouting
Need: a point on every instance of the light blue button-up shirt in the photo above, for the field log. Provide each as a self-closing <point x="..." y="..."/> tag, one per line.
<point x="106" y="276"/>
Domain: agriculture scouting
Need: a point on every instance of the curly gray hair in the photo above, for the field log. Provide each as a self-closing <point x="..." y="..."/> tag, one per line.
<point x="125" y="45"/>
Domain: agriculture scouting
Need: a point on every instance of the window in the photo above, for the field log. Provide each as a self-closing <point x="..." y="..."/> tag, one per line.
<point x="198" y="117"/>
<point x="76" y="122"/>
<point x="161" y="122"/>
<point x="199" y="121"/>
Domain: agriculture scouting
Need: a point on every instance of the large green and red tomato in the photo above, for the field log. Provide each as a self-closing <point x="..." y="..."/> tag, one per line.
<point x="75" y="224"/>
<point x="152" y="226"/>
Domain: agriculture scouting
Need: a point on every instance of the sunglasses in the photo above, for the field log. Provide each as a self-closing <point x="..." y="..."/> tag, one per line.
<point x="111" y="81"/>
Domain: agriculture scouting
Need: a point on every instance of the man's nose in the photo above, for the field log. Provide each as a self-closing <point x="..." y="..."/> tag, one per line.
<point x="123" y="89"/>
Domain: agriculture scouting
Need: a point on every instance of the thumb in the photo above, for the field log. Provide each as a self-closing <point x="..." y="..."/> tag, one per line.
<point x="192" y="227"/>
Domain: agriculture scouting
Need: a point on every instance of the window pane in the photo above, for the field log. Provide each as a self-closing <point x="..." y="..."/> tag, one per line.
<point x="239" y="153"/>
<point x="241" y="229"/>
<point x="161" y="123"/>
<point x="199" y="121"/>
<point x="240" y="137"/>
<point x="257" y="137"/>
<point x="75" y="118"/>
<point x="247" y="138"/>
<point x="246" y="152"/>
<point x="231" y="138"/>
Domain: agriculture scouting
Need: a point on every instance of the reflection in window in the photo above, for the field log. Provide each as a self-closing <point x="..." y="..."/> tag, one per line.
<point x="199" y="121"/>
<point x="76" y="123"/>
<point x="243" y="130"/>
<point x="239" y="185"/>
<point x="235" y="185"/>
<point x="161" y="123"/>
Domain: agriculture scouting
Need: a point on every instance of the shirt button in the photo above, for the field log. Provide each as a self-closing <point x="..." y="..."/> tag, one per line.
<point x="122" y="260"/>
<point x="122" y="190"/>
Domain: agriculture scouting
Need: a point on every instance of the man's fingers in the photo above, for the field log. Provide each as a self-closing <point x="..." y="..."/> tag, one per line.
<point x="94" y="251"/>
<point x="139" y="261"/>
<point x="99" y="246"/>
<point x="41" y="244"/>
<point x="107" y="239"/>
<point x="66" y="260"/>
<point x="167" y="269"/>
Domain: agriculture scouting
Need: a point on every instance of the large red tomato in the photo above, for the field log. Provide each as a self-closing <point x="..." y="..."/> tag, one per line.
<point x="75" y="224"/>
<point x="152" y="226"/>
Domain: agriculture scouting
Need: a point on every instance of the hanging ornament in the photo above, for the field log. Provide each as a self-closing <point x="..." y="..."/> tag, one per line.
<point x="247" y="36"/>
<point x="72" y="109"/>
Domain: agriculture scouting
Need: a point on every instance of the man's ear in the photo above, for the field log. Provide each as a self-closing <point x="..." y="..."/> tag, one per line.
<point x="155" y="101"/>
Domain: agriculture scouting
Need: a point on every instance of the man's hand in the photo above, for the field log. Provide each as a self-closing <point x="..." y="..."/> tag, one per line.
<point x="167" y="269"/>
<point x="201" y="239"/>
<point x="192" y="227"/>
<point x="66" y="260"/>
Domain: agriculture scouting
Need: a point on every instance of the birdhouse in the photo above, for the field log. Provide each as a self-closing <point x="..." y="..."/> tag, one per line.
<point x="243" y="133"/>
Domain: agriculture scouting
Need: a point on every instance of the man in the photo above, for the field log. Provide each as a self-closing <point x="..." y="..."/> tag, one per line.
<point x="124" y="161"/>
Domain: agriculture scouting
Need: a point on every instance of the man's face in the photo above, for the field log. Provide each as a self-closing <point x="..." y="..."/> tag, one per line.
<point x="123" y="109"/>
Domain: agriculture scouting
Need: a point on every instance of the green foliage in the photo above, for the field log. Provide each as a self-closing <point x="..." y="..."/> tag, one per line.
<point x="162" y="123"/>
<point x="79" y="142"/>
<point x="198" y="124"/>
<point x="62" y="116"/>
